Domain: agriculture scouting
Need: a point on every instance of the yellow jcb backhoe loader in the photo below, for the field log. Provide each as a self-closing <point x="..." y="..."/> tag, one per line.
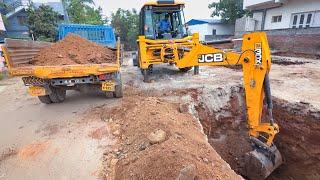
<point x="164" y="39"/>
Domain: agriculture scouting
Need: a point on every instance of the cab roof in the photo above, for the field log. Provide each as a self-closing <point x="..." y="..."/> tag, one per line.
<point x="163" y="3"/>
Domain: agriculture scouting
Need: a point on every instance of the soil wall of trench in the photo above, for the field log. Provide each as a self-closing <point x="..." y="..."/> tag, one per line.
<point x="222" y="114"/>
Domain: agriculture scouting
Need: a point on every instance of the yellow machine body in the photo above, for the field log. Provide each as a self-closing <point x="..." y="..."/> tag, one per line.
<point x="187" y="52"/>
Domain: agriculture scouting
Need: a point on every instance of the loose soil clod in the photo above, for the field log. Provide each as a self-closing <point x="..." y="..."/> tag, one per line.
<point x="74" y="50"/>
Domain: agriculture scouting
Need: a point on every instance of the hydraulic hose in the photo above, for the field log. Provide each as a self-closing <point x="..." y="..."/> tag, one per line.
<point x="267" y="92"/>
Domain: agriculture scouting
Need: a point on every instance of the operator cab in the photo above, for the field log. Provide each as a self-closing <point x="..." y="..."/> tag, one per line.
<point x="163" y="19"/>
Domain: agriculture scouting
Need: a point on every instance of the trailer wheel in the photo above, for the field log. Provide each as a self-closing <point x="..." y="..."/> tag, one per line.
<point x="186" y="69"/>
<point x="58" y="95"/>
<point x="118" y="93"/>
<point x="45" y="99"/>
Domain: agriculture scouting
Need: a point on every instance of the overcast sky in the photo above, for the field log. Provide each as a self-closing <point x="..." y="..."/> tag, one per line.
<point x="195" y="9"/>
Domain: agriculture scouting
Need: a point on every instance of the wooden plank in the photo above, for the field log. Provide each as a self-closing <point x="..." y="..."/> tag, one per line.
<point x="18" y="59"/>
<point x="22" y="54"/>
<point x="15" y="50"/>
<point x="10" y="43"/>
<point x="25" y="61"/>
<point x="22" y="51"/>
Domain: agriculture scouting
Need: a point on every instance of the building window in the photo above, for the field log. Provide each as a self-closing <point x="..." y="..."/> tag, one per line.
<point x="214" y="32"/>
<point x="276" y="19"/>
<point x="294" y="23"/>
<point x="22" y="20"/>
<point x="308" y="20"/>
<point x="302" y="20"/>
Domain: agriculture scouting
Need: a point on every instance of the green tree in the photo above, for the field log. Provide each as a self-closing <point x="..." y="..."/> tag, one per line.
<point x="5" y="8"/>
<point x="42" y="22"/>
<point x="228" y="10"/>
<point x="83" y="12"/>
<point x="126" y="25"/>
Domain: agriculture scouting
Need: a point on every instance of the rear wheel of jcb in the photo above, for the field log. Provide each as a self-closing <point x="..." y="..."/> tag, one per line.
<point x="145" y="74"/>
<point x="58" y="95"/>
<point x="45" y="99"/>
<point x="135" y="59"/>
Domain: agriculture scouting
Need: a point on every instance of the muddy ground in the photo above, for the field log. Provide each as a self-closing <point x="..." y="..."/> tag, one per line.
<point x="73" y="141"/>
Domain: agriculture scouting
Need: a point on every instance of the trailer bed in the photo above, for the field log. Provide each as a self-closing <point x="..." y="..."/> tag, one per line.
<point x="17" y="52"/>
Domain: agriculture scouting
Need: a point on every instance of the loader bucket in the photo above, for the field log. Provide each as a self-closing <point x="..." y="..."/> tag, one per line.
<point x="259" y="164"/>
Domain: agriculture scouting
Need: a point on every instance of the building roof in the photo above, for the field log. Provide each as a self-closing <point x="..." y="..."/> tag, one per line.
<point x="56" y="6"/>
<point x="262" y="4"/>
<point x="204" y="21"/>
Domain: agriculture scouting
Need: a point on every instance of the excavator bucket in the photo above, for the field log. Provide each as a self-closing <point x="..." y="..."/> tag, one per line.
<point x="260" y="163"/>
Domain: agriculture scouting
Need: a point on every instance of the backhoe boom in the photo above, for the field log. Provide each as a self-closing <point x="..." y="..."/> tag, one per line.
<point x="255" y="60"/>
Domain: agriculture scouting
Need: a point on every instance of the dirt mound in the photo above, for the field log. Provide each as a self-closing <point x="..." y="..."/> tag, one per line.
<point x="74" y="50"/>
<point x="159" y="140"/>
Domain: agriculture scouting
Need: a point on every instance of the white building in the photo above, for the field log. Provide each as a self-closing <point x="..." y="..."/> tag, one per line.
<point x="284" y="14"/>
<point x="210" y="29"/>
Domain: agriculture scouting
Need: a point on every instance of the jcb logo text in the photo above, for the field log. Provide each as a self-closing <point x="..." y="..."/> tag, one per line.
<point x="208" y="58"/>
<point x="258" y="53"/>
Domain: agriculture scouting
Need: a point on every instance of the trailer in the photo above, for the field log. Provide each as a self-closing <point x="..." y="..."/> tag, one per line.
<point x="50" y="83"/>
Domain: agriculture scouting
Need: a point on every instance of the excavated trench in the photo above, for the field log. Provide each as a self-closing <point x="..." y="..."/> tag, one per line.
<point x="222" y="114"/>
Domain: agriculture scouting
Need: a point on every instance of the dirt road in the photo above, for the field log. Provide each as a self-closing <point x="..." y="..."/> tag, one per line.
<point x="38" y="141"/>
<point x="62" y="141"/>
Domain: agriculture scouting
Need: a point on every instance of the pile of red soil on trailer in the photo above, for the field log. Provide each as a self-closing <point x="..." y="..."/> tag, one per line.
<point x="180" y="150"/>
<point x="74" y="50"/>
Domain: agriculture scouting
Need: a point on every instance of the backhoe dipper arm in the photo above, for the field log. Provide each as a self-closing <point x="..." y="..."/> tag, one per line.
<point x="256" y="63"/>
